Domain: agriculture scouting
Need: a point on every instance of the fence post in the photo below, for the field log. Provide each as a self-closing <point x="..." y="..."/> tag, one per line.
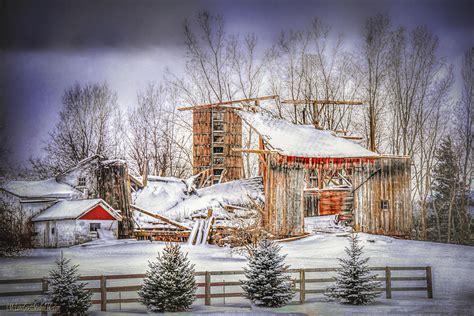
<point x="207" y="288"/>
<point x="103" y="293"/>
<point x="388" y="283"/>
<point x="302" y="286"/>
<point x="429" y="282"/>
<point x="44" y="289"/>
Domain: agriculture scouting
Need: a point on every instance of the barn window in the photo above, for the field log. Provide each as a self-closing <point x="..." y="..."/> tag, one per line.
<point x="218" y="138"/>
<point x="218" y="127"/>
<point x="218" y="150"/>
<point x="93" y="227"/>
<point x="384" y="204"/>
<point x="81" y="182"/>
<point x="52" y="230"/>
<point x="218" y="161"/>
<point x="218" y="172"/>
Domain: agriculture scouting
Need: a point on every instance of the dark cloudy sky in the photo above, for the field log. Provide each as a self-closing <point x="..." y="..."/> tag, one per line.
<point x="46" y="46"/>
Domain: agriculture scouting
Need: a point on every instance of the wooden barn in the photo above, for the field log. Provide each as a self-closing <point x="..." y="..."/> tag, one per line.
<point x="309" y="172"/>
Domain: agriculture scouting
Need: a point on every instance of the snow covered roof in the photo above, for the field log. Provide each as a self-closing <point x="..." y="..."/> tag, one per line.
<point x="160" y="194"/>
<point x="302" y="140"/>
<point x="168" y="197"/>
<point x="72" y="209"/>
<point x="49" y="188"/>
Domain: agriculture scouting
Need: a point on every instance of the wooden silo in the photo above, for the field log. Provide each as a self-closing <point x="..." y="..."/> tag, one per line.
<point x="216" y="130"/>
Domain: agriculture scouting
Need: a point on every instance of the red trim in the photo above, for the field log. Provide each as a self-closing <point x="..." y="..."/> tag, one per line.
<point x="98" y="213"/>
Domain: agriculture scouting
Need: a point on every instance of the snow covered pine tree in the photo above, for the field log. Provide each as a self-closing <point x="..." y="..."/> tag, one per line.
<point x="354" y="284"/>
<point x="266" y="283"/>
<point x="169" y="284"/>
<point x="64" y="290"/>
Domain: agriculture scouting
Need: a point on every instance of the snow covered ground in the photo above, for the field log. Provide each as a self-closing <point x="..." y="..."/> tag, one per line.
<point x="453" y="269"/>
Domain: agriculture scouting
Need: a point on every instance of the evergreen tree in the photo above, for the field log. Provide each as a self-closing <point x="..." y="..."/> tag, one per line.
<point x="169" y="284"/>
<point x="448" y="220"/>
<point x="266" y="283"/>
<point x="64" y="290"/>
<point x="354" y="284"/>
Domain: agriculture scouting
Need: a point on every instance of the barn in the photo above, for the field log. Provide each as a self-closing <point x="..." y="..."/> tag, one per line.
<point x="72" y="222"/>
<point x="308" y="171"/>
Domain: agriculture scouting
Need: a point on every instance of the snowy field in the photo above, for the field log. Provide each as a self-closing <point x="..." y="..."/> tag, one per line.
<point x="453" y="269"/>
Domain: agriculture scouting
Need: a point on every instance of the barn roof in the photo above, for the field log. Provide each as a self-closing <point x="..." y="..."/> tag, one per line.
<point x="72" y="209"/>
<point x="302" y="140"/>
<point x="49" y="188"/>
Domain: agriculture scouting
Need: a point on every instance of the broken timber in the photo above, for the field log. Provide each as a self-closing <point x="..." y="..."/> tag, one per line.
<point x="161" y="217"/>
<point x="219" y="104"/>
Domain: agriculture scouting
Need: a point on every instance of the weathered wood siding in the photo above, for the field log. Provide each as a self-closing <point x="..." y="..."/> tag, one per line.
<point x="114" y="188"/>
<point x="385" y="179"/>
<point x="284" y="199"/>
<point x="217" y="129"/>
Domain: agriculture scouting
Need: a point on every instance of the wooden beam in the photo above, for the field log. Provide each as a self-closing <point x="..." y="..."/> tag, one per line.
<point x="325" y="102"/>
<point x="254" y="151"/>
<point x="351" y="137"/>
<point x="160" y="217"/>
<point x="220" y="104"/>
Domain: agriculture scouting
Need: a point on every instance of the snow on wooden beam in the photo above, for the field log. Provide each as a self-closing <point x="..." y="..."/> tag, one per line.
<point x="325" y="102"/>
<point x="351" y="137"/>
<point x="219" y="104"/>
<point x="160" y="217"/>
<point x="254" y="151"/>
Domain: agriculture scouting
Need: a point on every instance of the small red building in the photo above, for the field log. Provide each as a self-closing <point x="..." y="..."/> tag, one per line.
<point x="72" y="222"/>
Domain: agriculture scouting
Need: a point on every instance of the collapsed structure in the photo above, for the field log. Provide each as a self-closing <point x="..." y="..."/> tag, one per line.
<point x="309" y="172"/>
<point x="304" y="171"/>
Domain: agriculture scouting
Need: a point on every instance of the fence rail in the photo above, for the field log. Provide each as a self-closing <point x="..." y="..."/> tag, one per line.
<point x="301" y="284"/>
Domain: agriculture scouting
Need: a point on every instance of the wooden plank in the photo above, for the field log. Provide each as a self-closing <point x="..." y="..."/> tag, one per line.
<point x="125" y="276"/>
<point x="409" y="278"/>
<point x="429" y="282"/>
<point x="388" y="283"/>
<point x="21" y="281"/>
<point x="124" y="288"/>
<point x="302" y="286"/>
<point x="90" y="278"/>
<point x="122" y="300"/>
<point x="217" y="295"/>
<point x="399" y="289"/>
<point x="22" y="293"/>
<point x="160" y="217"/>
<point x="211" y="105"/>
<point x="230" y="272"/>
<point x="207" y="289"/>
<point x="323" y="101"/>
<point x="254" y="151"/>
<point x="225" y="283"/>
<point x="103" y="293"/>
<point x="320" y="280"/>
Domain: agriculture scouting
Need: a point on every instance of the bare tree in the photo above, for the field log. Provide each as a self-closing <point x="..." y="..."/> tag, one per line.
<point x="374" y="70"/>
<point x="156" y="138"/>
<point x="84" y="126"/>
<point x="419" y="93"/>
<point x="464" y="118"/>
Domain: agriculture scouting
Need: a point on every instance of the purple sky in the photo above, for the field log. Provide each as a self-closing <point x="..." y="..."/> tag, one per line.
<point x="48" y="45"/>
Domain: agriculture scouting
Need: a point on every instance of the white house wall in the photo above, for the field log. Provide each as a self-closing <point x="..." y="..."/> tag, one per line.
<point x="68" y="232"/>
<point x="88" y="171"/>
